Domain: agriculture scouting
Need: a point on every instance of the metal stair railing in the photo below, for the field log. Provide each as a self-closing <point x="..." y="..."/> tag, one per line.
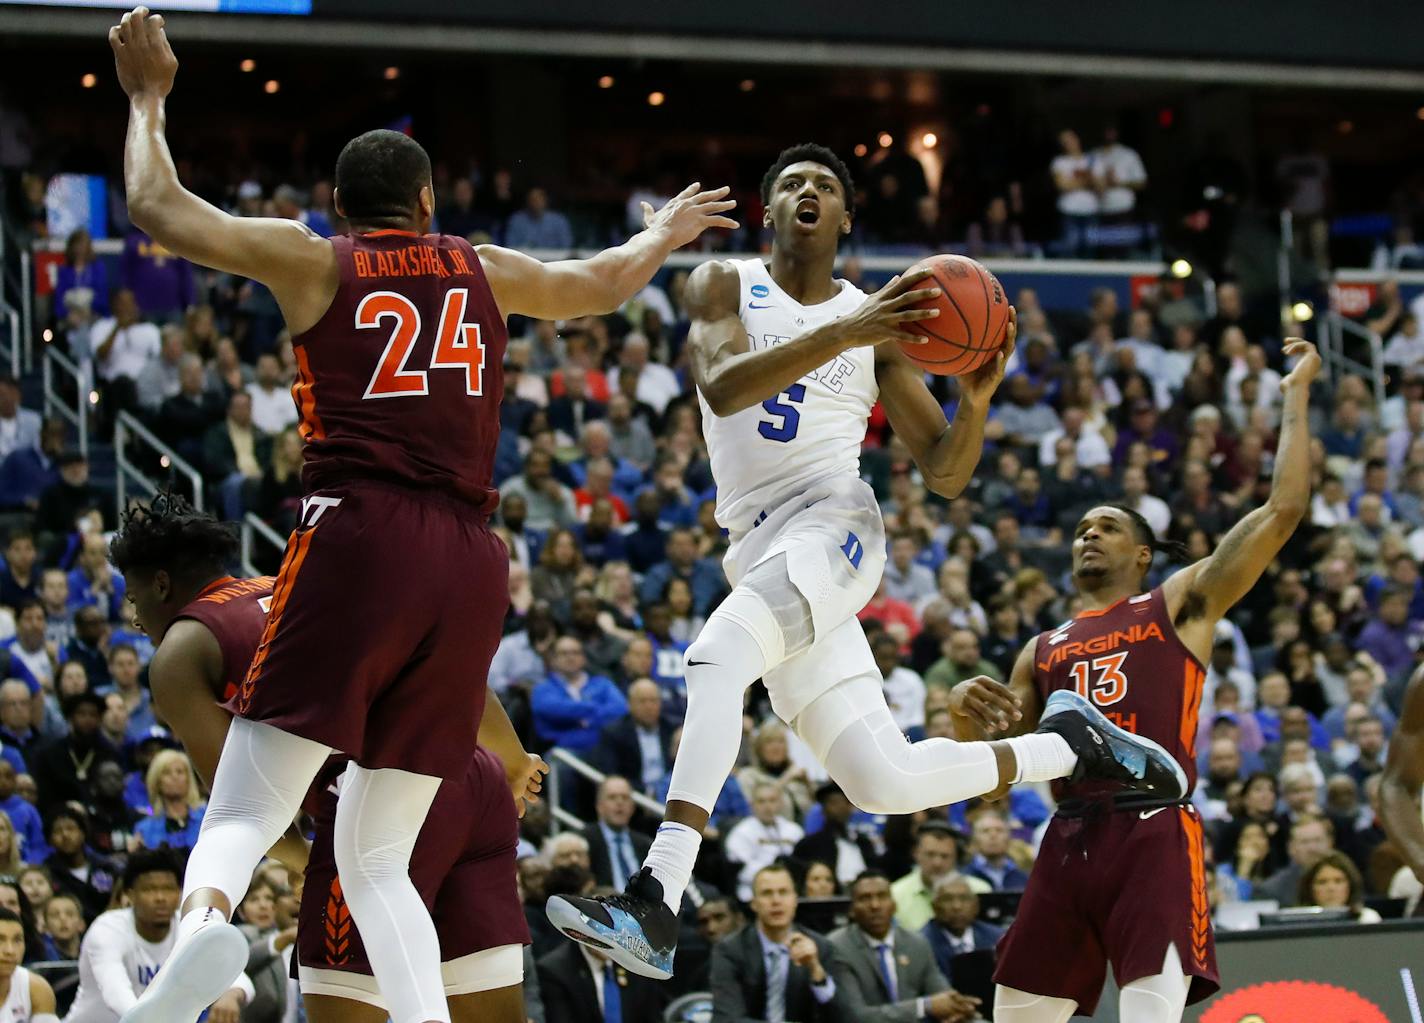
<point x="253" y="528"/>
<point x="127" y="427"/>
<point x="561" y="817"/>
<point x="57" y="366"/>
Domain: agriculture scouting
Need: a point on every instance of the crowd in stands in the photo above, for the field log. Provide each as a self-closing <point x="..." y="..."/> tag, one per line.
<point x="606" y="507"/>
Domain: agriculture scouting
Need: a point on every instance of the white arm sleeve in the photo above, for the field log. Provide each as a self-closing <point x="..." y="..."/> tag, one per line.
<point x="104" y="945"/>
<point x="45" y="1017"/>
<point x="245" y="985"/>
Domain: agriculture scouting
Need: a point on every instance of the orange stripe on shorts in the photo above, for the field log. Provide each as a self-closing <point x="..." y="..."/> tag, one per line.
<point x="296" y="554"/>
<point x="304" y="393"/>
<point x="1201" y="907"/>
<point x="1191" y="707"/>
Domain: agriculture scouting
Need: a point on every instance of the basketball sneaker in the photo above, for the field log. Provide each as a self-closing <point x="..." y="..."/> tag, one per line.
<point x="1109" y="753"/>
<point x="197" y="973"/>
<point x="633" y="928"/>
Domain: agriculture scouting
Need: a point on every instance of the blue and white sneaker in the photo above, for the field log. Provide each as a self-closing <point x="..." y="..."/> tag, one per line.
<point x="634" y="928"/>
<point x="1109" y="753"/>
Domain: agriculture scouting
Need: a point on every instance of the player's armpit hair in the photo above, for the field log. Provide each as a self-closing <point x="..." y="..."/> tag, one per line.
<point x="170" y="533"/>
<point x="1193" y="607"/>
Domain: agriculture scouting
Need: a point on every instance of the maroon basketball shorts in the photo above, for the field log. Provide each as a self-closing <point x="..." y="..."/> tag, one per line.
<point x="463" y="867"/>
<point x="1120" y="887"/>
<point x="385" y="615"/>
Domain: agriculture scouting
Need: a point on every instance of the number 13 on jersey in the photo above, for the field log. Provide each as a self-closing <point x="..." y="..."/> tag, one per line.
<point x="457" y="344"/>
<point x="1101" y="680"/>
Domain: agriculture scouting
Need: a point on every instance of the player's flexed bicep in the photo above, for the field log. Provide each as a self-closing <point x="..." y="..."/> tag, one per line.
<point x="1198" y="596"/>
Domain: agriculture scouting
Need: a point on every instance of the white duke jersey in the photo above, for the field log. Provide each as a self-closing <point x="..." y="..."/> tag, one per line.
<point x="115" y="967"/>
<point x="809" y="432"/>
<point x="17" y="1005"/>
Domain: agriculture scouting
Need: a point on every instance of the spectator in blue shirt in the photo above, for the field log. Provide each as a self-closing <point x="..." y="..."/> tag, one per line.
<point x="704" y="576"/>
<point x="677" y="507"/>
<point x="19" y="579"/>
<point x="669" y="661"/>
<point x="991" y="860"/>
<point x="571" y="707"/>
<point x="1346" y="433"/>
<point x="124" y="669"/>
<point x="23" y="816"/>
<point x="1376" y="482"/>
<point x="177" y="806"/>
<point x="30" y="658"/>
<point x="647" y="538"/>
<point x="87" y="645"/>
<point x="16" y="731"/>
<point x="28" y="472"/>
<point x="82" y="269"/>
<point x="94" y="583"/>
<point x="538" y="227"/>
<point x="731" y="805"/>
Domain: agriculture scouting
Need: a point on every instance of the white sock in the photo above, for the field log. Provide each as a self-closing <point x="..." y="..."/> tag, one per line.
<point x="1042" y="756"/>
<point x="671" y="859"/>
<point x="196" y="920"/>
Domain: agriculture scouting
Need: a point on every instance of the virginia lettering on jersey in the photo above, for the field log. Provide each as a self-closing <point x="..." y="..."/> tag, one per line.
<point x="1101" y="644"/>
<point x="833" y="374"/>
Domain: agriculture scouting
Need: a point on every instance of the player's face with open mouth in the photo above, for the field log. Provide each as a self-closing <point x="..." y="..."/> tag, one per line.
<point x="807" y="201"/>
<point x="1103" y="542"/>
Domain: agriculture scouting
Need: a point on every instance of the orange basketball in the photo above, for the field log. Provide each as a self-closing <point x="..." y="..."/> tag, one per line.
<point x="972" y="321"/>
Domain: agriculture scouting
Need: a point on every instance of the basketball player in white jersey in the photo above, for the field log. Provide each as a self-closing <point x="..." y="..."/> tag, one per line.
<point x="1403" y="781"/>
<point x="788" y="362"/>
<point x="27" y="997"/>
<point x="124" y="949"/>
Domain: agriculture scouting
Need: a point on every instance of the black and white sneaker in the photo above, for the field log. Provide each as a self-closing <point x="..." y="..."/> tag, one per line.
<point x="1109" y="753"/>
<point x="634" y="928"/>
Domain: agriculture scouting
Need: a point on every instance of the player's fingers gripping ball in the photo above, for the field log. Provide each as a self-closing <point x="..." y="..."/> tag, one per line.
<point x="973" y="319"/>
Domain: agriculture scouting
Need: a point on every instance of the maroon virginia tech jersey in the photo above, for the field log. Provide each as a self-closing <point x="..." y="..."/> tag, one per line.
<point x="235" y="612"/>
<point x="402" y="378"/>
<point x="1128" y="661"/>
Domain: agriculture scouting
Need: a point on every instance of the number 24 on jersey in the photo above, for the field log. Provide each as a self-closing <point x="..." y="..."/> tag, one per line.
<point x="457" y="344"/>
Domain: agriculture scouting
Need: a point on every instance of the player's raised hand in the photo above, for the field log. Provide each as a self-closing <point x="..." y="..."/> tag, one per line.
<point x="988" y="705"/>
<point x="689" y="213"/>
<point x="1306" y="369"/>
<point x="978" y="387"/>
<point x="142" y="56"/>
<point x="878" y="318"/>
<point x="526" y="781"/>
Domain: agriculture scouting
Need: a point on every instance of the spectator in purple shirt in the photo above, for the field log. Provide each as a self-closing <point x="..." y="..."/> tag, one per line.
<point x="162" y="283"/>
<point x="1142" y="426"/>
<point x="1388" y="637"/>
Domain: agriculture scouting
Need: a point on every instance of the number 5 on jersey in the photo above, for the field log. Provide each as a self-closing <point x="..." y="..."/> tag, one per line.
<point x="457" y="344"/>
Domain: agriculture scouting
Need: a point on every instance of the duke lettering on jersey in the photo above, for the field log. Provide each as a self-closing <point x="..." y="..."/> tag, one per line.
<point x="1128" y="660"/>
<point x="811" y="431"/>
<point x="401" y="378"/>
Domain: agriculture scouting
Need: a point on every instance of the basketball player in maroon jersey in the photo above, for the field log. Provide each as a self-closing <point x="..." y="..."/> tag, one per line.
<point x="1403" y="781"/>
<point x="1119" y="878"/>
<point x="390" y="599"/>
<point x="207" y="625"/>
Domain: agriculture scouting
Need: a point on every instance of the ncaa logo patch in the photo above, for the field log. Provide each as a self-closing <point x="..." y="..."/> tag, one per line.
<point x="760" y="291"/>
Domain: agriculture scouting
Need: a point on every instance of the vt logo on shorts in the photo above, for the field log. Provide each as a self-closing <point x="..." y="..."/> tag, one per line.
<point x="315" y="506"/>
<point x="853" y="550"/>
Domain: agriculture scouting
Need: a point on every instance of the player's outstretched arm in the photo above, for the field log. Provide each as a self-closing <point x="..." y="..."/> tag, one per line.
<point x="945" y="453"/>
<point x="1219" y="580"/>
<point x="1404" y="778"/>
<point x="570" y="288"/>
<point x="284" y="255"/>
<point x="732" y="377"/>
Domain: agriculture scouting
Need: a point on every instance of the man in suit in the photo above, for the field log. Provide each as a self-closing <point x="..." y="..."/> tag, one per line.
<point x="569" y="412"/>
<point x="579" y="984"/>
<point x="638" y="746"/>
<point x="717" y="917"/>
<point x="614" y="851"/>
<point x="956" y="929"/>
<point x="888" y="974"/>
<point x="772" y="972"/>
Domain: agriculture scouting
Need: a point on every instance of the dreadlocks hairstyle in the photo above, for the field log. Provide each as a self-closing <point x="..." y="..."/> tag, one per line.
<point x="1174" y="549"/>
<point x="171" y="534"/>
<point x="812" y="153"/>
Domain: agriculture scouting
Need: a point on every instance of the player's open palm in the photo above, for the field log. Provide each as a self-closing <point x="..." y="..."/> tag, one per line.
<point x="526" y="781"/>
<point x="1306" y="369"/>
<point x="878" y="319"/>
<point x="689" y="213"/>
<point x="142" y="56"/>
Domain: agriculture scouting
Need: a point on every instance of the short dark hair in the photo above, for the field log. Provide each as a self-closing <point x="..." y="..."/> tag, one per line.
<point x="28" y="603"/>
<point x="939" y="829"/>
<point x="809" y="152"/>
<point x="380" y="175"/>
<point x="73" y="703"/>
<point x="9" y="916"/>
<point x="19" y="533"/>
<point x="120" y="648"/>
<point x="68" y="813"/>
<point x="171" y="534"/>
<point x="151" y="861"/>
<point x="868" y="874"/>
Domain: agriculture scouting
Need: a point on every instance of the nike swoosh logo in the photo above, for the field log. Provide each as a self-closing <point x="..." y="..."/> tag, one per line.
<point x="753" y="305"/>
<point x="698" y="664"/>
<point x="1150" y="813"/>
